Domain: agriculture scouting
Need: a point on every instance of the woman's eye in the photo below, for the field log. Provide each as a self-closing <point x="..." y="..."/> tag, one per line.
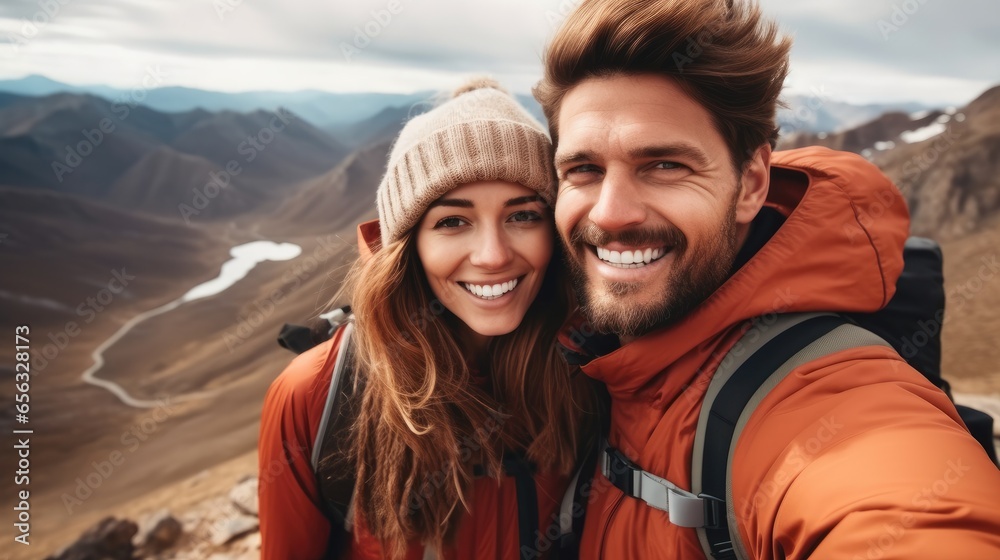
<point x="449" y="223"/>
<point x="525" y="216"/>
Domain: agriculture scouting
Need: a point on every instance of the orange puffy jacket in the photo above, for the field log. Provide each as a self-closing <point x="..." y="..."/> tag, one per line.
<point x="293" y="526"/>
<point x="852" y="456"/>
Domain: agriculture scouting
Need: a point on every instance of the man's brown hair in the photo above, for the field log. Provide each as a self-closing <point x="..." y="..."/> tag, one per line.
<point x="723" y="53"/>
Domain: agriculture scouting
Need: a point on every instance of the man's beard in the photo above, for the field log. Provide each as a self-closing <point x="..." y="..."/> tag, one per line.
<point x="615" y="307"/>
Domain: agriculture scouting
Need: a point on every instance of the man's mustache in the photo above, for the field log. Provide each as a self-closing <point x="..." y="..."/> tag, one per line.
<point x="591" y="234"/>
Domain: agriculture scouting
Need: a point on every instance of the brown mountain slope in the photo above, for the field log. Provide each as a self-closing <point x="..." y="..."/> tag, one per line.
<point x="75" y="271"/>
<point x="272" y="148"/>
<point x="335" y="200"/>
<point x="952" y="180"/>
<point x="971" y="355"/>
<point x="165" y="178"/>
<point x="88" y="146"/>
<point x="885" y="128"/>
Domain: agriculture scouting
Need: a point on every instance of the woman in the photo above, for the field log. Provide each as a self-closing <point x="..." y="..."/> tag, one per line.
<point x="464" y="409"/>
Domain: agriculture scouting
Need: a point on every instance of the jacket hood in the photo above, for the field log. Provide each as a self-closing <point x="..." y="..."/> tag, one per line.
<point x="369" y="238"/>
<point x="840" y="249"/>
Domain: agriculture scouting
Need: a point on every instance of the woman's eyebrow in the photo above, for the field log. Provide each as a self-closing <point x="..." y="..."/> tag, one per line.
<point x="453" y="202"/>
<point x="522" y="200"/>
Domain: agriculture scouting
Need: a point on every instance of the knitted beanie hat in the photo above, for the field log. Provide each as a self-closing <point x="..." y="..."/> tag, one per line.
<point x="480" y="134"/>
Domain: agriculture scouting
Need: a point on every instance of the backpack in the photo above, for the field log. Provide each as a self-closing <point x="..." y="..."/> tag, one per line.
<point x="769" y="351"/>
<point x="337" y="491"/>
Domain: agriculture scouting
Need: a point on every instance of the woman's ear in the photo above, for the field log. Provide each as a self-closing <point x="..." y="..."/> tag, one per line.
<point x="754" y="184"/>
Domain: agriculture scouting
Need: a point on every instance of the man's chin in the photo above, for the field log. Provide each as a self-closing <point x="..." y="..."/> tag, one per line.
<point x="624" y="309"/>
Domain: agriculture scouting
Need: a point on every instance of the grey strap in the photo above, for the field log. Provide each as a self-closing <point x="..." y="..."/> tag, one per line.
<point x="331" y="395"/>
<point x="566" y="507"/>
<point x="842" y="338"/>
<point x="761" y="331"/>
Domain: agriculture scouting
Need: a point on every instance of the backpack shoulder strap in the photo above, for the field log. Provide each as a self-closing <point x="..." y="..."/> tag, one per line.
<point x="761" y="359"/>
<point x="336" y="486"/>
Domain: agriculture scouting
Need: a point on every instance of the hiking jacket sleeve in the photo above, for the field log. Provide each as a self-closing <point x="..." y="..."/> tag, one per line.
<point x="292" y="525"/>
<point x="830" y="468"/>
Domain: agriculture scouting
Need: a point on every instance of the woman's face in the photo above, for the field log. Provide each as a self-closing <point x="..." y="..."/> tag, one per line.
<point x="485" y="247"/>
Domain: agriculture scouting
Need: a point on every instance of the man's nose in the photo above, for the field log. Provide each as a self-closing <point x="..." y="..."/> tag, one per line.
<point x="619" y="204"/>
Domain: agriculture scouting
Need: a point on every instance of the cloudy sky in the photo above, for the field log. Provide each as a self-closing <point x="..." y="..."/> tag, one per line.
<point x="933" y="51"/>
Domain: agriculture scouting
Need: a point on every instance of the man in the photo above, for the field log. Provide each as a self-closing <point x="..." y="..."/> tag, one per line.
<point x="680" y="227"/>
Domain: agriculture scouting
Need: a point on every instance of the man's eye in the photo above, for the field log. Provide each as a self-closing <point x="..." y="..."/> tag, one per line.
<point x="525" y="216"/>
<point x="586" y="168"/>
<point x="668" y="165"/>
<point x="449" y="223"/>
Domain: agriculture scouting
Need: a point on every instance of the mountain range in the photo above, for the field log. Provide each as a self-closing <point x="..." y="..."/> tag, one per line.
<point x="165" y="191"/>
<point x="815" y="112"/>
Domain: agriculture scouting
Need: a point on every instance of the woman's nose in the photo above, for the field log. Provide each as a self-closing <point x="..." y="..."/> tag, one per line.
<point x="492" y="250"/>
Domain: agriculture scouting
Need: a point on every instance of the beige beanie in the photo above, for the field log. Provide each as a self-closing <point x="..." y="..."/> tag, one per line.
<point x="480" y="134"/>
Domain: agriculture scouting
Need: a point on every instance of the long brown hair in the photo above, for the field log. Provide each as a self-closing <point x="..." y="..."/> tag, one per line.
<point x="423" y="424"/>
<point x="724" y="53"/>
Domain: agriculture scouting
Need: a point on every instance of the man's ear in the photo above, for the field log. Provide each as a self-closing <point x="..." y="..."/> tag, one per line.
<point x="754" y="182"/>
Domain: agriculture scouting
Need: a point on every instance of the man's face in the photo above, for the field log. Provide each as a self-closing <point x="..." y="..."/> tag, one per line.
<point x="650" y="208"/>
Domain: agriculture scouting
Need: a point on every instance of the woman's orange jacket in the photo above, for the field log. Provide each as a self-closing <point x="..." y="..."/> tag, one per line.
<point x="855" y="456"/>
<point x="292" y="523"/>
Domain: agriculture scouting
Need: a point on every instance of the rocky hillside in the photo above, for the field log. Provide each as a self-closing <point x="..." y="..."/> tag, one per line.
<point x="946" y="163"/>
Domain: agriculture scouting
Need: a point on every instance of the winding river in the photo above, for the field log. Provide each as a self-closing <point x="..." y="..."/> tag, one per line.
<point x="244" y="258"/>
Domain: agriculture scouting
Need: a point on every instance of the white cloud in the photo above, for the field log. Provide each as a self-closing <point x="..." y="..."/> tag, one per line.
<point x="942" y="53"/>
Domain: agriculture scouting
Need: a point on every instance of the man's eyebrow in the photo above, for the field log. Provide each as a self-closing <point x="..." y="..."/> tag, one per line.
<point x="452" y="202"/>
<point x="646" y="152"/>
<point x="522" y="200"/>
<point x="573" y="157"/>
<point x="681" y="150"/>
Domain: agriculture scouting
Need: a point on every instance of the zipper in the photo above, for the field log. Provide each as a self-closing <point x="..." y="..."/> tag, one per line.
<point x="607" y="524"/>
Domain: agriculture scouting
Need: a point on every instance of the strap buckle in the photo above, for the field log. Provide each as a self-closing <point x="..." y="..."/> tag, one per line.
<point x="685" y="509"/>
<point x="620" y="471"/>
<point x="715" y="512"/>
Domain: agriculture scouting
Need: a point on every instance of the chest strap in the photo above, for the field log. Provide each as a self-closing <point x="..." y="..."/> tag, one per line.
<point x="685" y="509"/>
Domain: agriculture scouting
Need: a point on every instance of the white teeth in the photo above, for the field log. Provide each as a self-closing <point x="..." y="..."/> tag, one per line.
<point x="490" y="291"/>
<point x="630" y="259"/>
